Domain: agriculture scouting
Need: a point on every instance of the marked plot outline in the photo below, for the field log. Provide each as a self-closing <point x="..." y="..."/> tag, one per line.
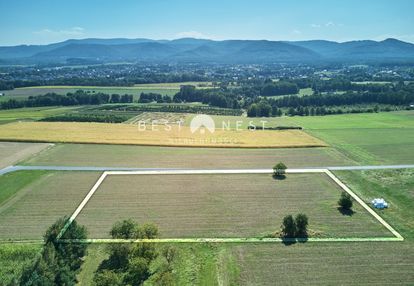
<point x="396" y="235"/>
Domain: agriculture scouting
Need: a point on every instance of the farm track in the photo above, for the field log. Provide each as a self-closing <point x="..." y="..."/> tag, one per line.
<point x="11" y="169"/>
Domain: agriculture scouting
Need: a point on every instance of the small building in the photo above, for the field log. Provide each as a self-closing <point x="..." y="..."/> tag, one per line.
<point x="379" y="203"/>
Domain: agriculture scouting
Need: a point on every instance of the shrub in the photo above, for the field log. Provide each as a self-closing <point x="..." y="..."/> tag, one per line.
<point x="345" y="201"/>
<point x="301" y="221"/>
<point x="288" y="226"/>
<point x="279" y="169"/>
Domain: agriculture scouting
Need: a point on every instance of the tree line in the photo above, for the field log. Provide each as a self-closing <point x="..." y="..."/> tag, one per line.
<point x="79" y="97"/>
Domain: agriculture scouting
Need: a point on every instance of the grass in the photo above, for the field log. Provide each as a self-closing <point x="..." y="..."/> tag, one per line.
<point x="380" y="138"/>
<point x="181" y="157"/>
<point x="50" y="195"/>
<point x="31" y="113"/>
<point x="14" y="258"/>
<point x="106" y="133"/>
<point x="300" y="264"/>
<point x="11" y="183"/>
<point x="223" y="205"/>
<point x="195" y="264"/>
<point x="395" y="186"/>
<point x="161" y="88"/>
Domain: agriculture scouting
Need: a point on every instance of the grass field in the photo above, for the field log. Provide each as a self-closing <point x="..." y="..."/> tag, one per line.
<point x="299" y="264"/>
<point x="106" y="133"/>
<point x="161" y="88"/>
<point x="12" y="152"/>
<point x="381" y="138"/>
<point x="32" y="206"/>
<point x="395" y="186"/>
<point x="223" y="205"/>
<point x="13" y="259"/>
<point x="32" y="113"/>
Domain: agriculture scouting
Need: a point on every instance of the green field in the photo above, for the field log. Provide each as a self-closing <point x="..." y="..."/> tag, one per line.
<point x="173" y="157"/>
<point x="14" y="258"/>
<point x="380" y="138"/>
<point x="32" y="113"/>
<point x="161" y="88"/>
<point x="223" y="205"/>
<point x="30" y="207"/>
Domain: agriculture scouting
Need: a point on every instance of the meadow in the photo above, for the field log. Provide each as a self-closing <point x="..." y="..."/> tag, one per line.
<point x="32" y="113"/>
<point x="379" y="138"/>
<point x="161" y="88"/>
<point x="106" y="133"/>
<point x="14" y="258"/>
<point x="224" y="206"/>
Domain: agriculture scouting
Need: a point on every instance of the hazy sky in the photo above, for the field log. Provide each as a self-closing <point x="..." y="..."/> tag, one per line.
<point x="46" y="21"/>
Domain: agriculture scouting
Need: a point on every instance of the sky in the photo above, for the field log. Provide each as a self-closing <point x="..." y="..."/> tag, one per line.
<point x="49" y="21"/>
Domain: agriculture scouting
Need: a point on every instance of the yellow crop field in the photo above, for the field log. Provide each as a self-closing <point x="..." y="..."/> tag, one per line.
<point x="105" y="133"/>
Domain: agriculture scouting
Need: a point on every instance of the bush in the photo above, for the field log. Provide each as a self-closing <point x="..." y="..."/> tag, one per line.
<point x="345" y="201"/>
<point x="288" y="226"/>
<point x="279" y="169"/>
<point x="301" y="221"/>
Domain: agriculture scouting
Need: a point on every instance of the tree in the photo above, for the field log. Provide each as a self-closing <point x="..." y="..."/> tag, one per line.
<point x="138" y="271"/>
<point x="345" y="201"/>
<point x="288" y="226"/>
<point x="107" y="278"/>
<point x="148" y="230"/>
<point x="126" y="229"/>
<point x="301" y="221"/>
<point x="279" y="169"/>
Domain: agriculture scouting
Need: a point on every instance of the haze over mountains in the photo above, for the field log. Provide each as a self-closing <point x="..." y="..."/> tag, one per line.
<point x="208" y="51"/>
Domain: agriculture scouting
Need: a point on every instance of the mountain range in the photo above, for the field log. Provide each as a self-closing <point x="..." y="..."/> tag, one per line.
<point x="190" y="50"/>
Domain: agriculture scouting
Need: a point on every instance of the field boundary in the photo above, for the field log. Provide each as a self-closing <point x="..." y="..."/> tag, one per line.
<point x="95" y="187"/>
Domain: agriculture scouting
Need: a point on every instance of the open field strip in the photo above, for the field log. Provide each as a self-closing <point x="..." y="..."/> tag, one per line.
<point x="11" y="169"/>
<point x="397" y="236"/>
<point x="107" y="133"/>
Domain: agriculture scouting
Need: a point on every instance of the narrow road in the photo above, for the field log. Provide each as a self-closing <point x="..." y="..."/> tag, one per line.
<point x="205" y="171"/>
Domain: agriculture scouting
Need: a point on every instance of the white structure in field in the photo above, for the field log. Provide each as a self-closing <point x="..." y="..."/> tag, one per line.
<point x="379" y="203"/>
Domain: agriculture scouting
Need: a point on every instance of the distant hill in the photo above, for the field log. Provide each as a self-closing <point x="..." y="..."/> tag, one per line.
<point x="201" y="50"/>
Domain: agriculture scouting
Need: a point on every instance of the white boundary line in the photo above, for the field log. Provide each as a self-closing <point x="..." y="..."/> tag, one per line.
<point x="364" y="205"/>
<point x="397" y="235"/>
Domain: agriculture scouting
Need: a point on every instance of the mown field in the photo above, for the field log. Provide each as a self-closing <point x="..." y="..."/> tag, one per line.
<point x="32" y="200"/>
<point x="13" y="152"/>
<point x="223" y="205"/>
<point x="181" y="157"/>
<point x="106" y="133"/>
<point x="384" y="263"/>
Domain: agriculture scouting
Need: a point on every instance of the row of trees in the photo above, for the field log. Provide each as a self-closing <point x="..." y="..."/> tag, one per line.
<point x="295" y="227"/>
<point x="402" y="97"/>
<point x="133" y="264"/>
<point x="58" y="263"/>
<point x="79" y="97"/>
<point x="278" y="88"/>
<point x="151" y="97"/>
